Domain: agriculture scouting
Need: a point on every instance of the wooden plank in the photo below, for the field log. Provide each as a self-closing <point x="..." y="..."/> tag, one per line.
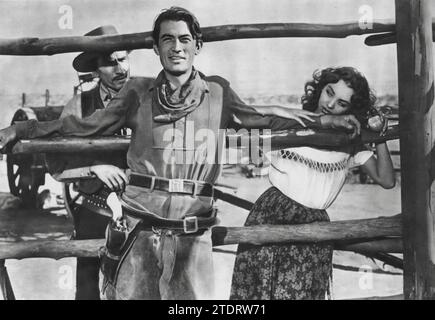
<point x="277" y="140"/>
<point x="381" y="39"/>
<point x="417" y="125"/>
<point x="72" y="145"/>
<point x="55" y="249"/>
<point x="58" y="249"/>
<point x="394" y="245"/>
<point x="143" y="40"/>
<point x="384" y="38"/>
<point x="356" y="233"/>
<point x="347" y="230"/>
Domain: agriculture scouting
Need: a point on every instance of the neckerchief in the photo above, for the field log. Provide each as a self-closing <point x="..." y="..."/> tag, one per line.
<point x="175" y="104"/>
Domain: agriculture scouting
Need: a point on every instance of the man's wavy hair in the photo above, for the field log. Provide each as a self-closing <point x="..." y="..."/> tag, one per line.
<point x="178" y="14"/>
<point x="361" y="101"/>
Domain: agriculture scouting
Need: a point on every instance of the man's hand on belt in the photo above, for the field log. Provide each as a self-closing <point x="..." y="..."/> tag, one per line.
<point x="112" y="176"/>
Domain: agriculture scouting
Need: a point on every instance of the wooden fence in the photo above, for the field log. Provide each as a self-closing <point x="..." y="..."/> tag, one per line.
<point x="413" y="34"/>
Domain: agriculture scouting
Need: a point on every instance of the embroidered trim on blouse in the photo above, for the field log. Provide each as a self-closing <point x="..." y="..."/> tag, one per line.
<point x="318" y="166"/>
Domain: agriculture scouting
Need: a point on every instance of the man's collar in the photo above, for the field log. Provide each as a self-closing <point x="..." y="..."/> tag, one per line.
<point x="106" y="93"/>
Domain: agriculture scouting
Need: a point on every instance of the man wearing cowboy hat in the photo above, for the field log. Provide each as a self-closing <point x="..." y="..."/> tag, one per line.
<point x="113" y="71"/>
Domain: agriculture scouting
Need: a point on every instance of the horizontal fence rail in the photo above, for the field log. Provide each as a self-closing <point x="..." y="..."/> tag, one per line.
<point x="277" y="140"/>
<point x="365" y="236"/>
<point x="143" y="40"/>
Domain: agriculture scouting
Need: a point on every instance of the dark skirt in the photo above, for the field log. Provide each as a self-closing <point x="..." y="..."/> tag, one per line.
<point x="282" y="272"/>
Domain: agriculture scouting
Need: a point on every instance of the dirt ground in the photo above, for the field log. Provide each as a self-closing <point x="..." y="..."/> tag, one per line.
<point x="48" y="279"/>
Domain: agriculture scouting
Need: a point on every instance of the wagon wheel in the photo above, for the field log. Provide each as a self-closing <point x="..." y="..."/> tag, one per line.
<point x="72" y="199"/>
<point x="26" y="172"/>
<point x="21" y="181"/>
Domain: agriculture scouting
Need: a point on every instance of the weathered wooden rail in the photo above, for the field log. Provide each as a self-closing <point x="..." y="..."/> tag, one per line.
<point x="58" y="249"/>
<point x="143" y="40"/>
<point x="349" y="235"/>
<point x="277" y="140"/>
<point x="417" y="144"/>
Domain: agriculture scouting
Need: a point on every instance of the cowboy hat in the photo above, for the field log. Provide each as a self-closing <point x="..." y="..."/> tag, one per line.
<point x="87" y="61"/>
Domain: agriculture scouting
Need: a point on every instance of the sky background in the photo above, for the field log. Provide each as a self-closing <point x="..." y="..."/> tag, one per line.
<point x="253" y="67"/>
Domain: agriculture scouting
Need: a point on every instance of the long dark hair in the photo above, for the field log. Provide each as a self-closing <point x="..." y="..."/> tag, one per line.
<point x="361" y="101"/>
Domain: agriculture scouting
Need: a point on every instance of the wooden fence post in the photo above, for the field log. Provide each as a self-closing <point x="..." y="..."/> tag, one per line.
<point x="417" y="126"/>
<point x="5" y="283"/>
<point x="47" y="97"/>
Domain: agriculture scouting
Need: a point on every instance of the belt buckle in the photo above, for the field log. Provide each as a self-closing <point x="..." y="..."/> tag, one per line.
<point x="190" y="224"/>
<point x="176" y="185"/>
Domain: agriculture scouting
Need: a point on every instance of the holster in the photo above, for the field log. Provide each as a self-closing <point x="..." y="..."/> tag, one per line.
<point x="118" y="241"/>
<point x="97" y="201"/>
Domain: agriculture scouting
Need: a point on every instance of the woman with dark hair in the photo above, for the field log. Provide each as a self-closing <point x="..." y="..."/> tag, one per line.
<point x="305" y="182"/>
<point x="362" y="99"/>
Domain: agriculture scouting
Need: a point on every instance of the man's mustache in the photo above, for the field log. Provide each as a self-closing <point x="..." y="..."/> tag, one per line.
<point x="120" y="76"/>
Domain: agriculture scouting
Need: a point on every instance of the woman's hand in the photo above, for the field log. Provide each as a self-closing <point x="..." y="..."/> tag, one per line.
<point x="348" y="122"/>
<point x="111" y="176"/>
